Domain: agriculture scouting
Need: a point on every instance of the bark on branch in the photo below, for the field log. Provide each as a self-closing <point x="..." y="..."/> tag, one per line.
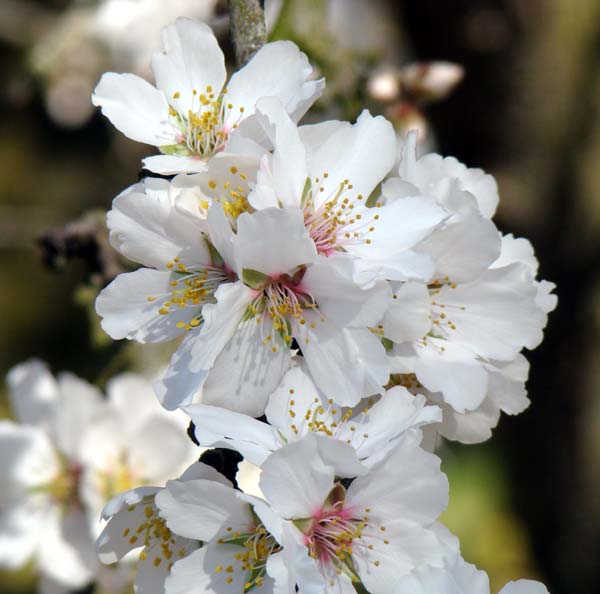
<point x="247" y="27"/>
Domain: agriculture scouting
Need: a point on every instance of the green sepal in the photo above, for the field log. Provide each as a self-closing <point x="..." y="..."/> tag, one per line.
<point x="215" y="258"/>
<point x="387" y="343"/>
<point x="255" y="279"/>
<point x="305" y="192"/>
<point x="179" y="150"/>
<point x="303" y="524"/>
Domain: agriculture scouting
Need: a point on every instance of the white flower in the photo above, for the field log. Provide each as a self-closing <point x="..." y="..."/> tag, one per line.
<point x="190" y="115"/>
<point x="331" y="171"/>
<point x="40" y="469"/>
<point x="459" y="577"/>
<point x="71" y="452"/>
<point x="240" y="538"/>
<point x="378" y="529"/>
<point x="161" y="225"/>
<point x="297" y="407"/>
<point x="285" y="291"/>
<point x="431" y="174"/>
<point x="133" y="522"/>
<point x="461" y="332"/>
<point x="117" y="452"/>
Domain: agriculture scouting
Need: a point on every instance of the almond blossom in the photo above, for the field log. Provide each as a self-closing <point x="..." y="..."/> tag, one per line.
<point x="70" y="451"/>
<point x="374" y="531"/>
<point x="298" y="407"/>
<point x="191" y="115"/>
<point x="480" y="307"/>
<point x="285" y="292"/>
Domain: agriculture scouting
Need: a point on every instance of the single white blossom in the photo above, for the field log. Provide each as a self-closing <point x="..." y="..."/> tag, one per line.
<point x="376" y="530"/>
<point x="298" y="407"/>
<point x="190" y="115"/>
<point x="285" y="291"/>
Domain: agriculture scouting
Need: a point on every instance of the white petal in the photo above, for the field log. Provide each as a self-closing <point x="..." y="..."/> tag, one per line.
<point x="27" y="458"/>
<point x="500" y="315"/>
<point x="442" y="366"/>
<point x="273" y="241"/>
<point x="66" y="552"/>
<point x="200" y="509"/>
<point x="248" y="369"/>
<point x="407" y="486"/>
<point x="192" y="61"/>
<point x="288" y="163"/>
<point x="172" y="164"/>
<point x="253" y="439"/>
<point x="32" y="391"/>
<point x="221" y="320"/>
<point x="125" y="513"/>
<point x="295" y="480"/>
<point x="411" y="547"/>
<point x="278" y="69"/>
<point x="401" y="224"/>
<point x="130" y="307"/>
<point x="79" y="403"/>
<point x="159" y="458"/>
<point x="136" y="108"/>
<point x="524" y="587"/>
<point x="393" y="414"/>
<point x="197" y="574"/>
<point x="472" y="426"/>
<point x="363" y="154"/>
<point x="298" y="386"/>
<point x="507" y="385"/>
<point x="146" y="228"/>
<point x="342" y="301"/>
<point x="516" y="250"/>
<point x="20" y="534"/>
<point x="327" y="351"/>
<point x="476" y="181"/>
<point x="463" y="250"/>
<point x="180" y="385"/>
<point x="132" y="397"/>
<point x="408" y="315"/>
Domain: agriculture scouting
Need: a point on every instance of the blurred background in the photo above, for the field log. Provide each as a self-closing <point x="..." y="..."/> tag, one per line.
<point x="512" y="86"/>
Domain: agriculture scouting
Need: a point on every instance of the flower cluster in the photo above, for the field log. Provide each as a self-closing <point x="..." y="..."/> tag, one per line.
<point x="340" y="304"/>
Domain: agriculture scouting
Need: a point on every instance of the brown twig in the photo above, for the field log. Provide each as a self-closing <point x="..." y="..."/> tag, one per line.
<point x="247" y="28"/>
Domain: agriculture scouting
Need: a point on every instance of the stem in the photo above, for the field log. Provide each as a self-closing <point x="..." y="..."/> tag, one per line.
<point x="247" y="28"/>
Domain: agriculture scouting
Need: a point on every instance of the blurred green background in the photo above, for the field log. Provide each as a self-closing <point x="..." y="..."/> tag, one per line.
<point x="525" y="504"/>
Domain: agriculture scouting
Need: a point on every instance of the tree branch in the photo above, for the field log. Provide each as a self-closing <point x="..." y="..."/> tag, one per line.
<point x="247" y="28"/>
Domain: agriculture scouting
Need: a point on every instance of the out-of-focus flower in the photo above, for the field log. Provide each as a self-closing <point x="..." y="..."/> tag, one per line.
<point x="60" y="464"/>
<point x="430" y="81"/>
<point x="190" y="115"/>
<point x="41" y="468"/>
<point x="298" y="407"/>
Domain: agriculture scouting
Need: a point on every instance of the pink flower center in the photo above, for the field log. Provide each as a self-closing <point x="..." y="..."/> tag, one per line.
<point x="339" y="221"/>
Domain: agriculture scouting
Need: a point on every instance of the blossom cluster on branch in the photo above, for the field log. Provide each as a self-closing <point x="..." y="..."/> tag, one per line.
<point x="340" y="303"/>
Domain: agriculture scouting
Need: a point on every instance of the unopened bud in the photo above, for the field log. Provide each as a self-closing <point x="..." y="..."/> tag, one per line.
<point x="430" y="81"/>
<point x="384" y="84"/>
